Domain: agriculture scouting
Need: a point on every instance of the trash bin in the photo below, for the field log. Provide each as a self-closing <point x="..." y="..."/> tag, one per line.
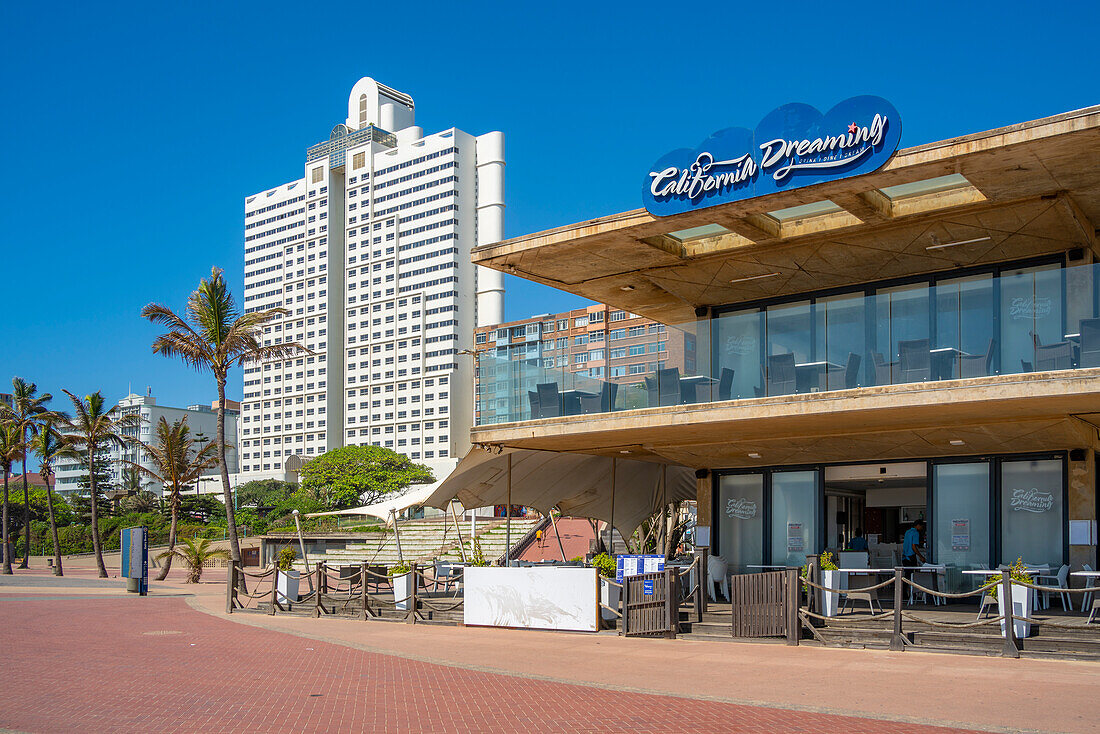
<point x="133" y="584"/>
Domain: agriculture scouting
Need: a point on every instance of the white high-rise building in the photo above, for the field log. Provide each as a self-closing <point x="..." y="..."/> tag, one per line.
<point x="369" y="252"/>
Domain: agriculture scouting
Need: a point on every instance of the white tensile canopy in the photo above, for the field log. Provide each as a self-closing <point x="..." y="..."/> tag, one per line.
<point x="578" y="484"/>
<point x="387" y="508"/>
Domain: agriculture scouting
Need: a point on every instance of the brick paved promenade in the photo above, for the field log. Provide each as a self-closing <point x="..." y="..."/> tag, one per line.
<point x="100" y="660"/>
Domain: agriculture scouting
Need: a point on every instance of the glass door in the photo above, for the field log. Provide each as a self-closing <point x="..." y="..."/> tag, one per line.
<point x="740" y="520"/>
<point x="961" y="519"/>
<point x="1032" y="512"/>
<point x="795" y="512"/>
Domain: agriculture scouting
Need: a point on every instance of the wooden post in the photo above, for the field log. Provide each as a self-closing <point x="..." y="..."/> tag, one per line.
<point x="897" y="641"/>
<point x="794" y="626"/>
<point x="363" y="589"/>
<point x="410" y="616"/>
<point x="230" y="586"/>
<point x="611" y="525"/>
<point x="624" y="596"/>
<point x="672" y="606"/>
<point x="697" y="597"/>
<point x="320" y="589"/>
<point x="812" y="595"/>
<point x="1011" y="647"/>
<point x="274" y="585"/>
<point x="508" y="518"/>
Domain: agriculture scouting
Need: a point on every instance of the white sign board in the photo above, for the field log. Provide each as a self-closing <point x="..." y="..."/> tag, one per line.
<point x="540" y="597"/>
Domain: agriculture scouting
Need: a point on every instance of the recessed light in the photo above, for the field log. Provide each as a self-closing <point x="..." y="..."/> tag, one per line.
<point x="957" y="442"/>
<point x="937" y="246"/>
<point x="754" y="455"/>
<point x="623" y="451"/>
<point x="626" y="288"/>
<point x="754" y="277"/>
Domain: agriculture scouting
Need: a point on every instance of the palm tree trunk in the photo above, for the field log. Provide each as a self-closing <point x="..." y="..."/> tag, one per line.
<point x="97" y="545"/>
<point x="26" y="514"/>
<point x="53" y="530"/>
<point x="227" y="492"/>
<point x="171" y="534"/>
<point x="7" y="551"/>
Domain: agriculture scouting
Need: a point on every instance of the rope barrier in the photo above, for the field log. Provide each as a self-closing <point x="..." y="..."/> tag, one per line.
<point x="953" y="625"/>
<point x="876" y="587"/>
<point x="946" y="595"/>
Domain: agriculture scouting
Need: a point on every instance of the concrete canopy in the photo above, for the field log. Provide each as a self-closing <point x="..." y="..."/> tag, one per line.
<point x="578" y="484"/>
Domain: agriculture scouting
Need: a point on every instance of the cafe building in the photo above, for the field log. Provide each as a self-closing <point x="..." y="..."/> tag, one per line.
<point x="880" y="334"/>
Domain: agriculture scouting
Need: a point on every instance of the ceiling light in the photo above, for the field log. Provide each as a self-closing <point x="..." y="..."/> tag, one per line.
<point x="754" y="277"/>
<point x="957" y="442"/>
<point x="754" y="455"/>
<point x="938" y="246"/>
<point x="626" y="288"/>
<point x="623" y="451"/>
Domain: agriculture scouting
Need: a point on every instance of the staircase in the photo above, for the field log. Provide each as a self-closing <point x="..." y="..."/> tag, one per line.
<point x="425" y="539"/>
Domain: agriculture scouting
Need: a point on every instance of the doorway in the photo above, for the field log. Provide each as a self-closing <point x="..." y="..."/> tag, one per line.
<point x="876" y="501"/>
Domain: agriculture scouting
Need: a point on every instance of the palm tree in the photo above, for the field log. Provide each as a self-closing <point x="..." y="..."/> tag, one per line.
<point x="91" y="431"/>
<point x="25" y="410"/>
<point x="176" y="464"/>
<point x="194" y="552"/>
<point x="11" y="451"/>
<point x="50" y="445"/>
<point x="215" y="336"/>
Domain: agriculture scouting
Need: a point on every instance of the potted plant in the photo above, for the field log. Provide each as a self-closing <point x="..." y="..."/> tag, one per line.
<point x="1023" y="598"/>
<point x="831" y="578"/>
<point x="402" y="578"/>
<point x="286" y="577"/>
<point x="609" y="593"/>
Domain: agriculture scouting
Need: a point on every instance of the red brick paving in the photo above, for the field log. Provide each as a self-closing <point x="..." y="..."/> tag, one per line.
<point x="155" y="664"/>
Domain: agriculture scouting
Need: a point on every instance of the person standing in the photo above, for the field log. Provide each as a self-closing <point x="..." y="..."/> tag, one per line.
<point x="911" y="553"/>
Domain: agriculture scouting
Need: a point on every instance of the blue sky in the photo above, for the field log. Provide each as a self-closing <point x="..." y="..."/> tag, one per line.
<point x="131" y="133"/>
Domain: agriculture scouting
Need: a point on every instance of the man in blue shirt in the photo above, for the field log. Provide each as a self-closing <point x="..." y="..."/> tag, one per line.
<point x="858" y="543"/>
<point x="911" y="554"/>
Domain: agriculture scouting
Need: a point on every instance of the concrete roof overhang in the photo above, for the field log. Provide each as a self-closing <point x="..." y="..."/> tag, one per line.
<point x="1034" y="189"/>
<point x="1038" y="411"/>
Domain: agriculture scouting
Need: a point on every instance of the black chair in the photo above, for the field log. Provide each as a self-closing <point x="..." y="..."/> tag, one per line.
<point x="653" y="396"/>
<point x="978" y="365"/>
<point x="602" y="403"/>
<point x="725" y="384"/>
<point x="850" y="371"/>
<point x="882" y="369"/>
<point x="668" y="384"/>
<point x="914" y="360"/>
<point x="1054" y="357"/>
<point x="549" y="400"/>
<point x="1090" y="343"/>
<point x="533" y="399"/>
<point x="782" y="375"/>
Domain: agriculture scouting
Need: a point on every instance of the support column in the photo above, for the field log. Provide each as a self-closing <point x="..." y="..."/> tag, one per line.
<point x="703" y="492"/>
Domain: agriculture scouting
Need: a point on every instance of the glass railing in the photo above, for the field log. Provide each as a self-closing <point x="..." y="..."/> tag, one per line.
<point x="1015" y="320"/>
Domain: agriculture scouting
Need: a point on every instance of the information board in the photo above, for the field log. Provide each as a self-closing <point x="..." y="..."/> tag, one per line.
<point x="135" y="557"/>
<point x="960" y="535"/>
<point x="632" y="565"/>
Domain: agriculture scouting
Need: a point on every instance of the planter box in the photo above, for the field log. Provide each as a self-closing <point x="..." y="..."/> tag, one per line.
<point x="830" y="600"/>
<point x="1022" y="601"/>
<point x="609" y="596"/>
<point x="402" y="590"/>
<point x="286" y="586"/>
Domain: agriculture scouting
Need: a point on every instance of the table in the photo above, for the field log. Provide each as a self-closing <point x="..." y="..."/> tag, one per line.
<point x="1095" y="597"/>
<point x="934" y="570"/>
<point x="943" y="361"/>
<point x="571" y="400"/>
<point x="997" y="572"/>
<point x="689" y="387"/>
<point x="808" y="375"/>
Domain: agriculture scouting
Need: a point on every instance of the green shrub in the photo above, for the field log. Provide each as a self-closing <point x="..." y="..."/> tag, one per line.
<point x="605" y="564"/>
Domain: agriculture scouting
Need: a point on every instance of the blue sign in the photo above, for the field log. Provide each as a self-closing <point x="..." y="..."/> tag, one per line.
<point x="633" y="565"/>
<point x="793" y="146"/>
<point x="647" y="587"/>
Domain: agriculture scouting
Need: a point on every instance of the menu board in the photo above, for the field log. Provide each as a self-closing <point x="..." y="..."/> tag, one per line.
<point x="633" y="565"/>
<point x="960" y="535"/>
<point x="795" y="541"/>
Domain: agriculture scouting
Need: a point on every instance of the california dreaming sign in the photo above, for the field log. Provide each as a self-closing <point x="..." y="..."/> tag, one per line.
<point x="1032" y="500"/>
<point x="793" y="146"/>
<point x="741" y="508"/>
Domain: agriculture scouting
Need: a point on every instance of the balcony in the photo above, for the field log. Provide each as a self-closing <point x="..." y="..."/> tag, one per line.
<point x="997" y="321"/>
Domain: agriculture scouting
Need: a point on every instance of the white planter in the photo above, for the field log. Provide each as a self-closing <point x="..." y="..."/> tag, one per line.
<point x="609" y="596"/>
<point x="402" y="590"/>
<point x="830" y="600"/>
<point x="286" y="586"/>
<point x="1022" y="601"/>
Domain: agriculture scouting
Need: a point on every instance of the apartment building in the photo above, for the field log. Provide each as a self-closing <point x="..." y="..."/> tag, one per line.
<point x="369" y="254"/>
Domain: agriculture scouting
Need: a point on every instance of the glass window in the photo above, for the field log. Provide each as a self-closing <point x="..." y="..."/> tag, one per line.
<point x="901" y="324"/>
<point x="964" y="328"/>
<point x="741" y="520"/>
<point x="960" y="516"/>
<point x="794" y="513"/>
<point x="841" y="340"/>
<point x="1031" y="511"/>
<point x="737" y="348"/>
<point x="1031" y="316"/>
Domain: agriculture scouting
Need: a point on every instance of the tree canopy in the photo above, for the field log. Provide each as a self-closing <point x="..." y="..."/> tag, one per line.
<point x="354" y="475"/>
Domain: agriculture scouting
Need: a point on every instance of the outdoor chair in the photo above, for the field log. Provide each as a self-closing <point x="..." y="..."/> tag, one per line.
<point x="668" y="385"/>
<point x="781" y="374"/>
<point x="882" y="369"/>
<point x="445" y="573"/>
<point x="1090" y="343"/>
<point x="652" y="395"/>
<point x="602" y="403"/>
<point x="987" y="600"/>
<point x="1059" y="582"/>
<point x="927" y="579"/>
<point x="914" y="360"/>
<point x="1054" y="357"/>
<point x="978" y="365"/>
<point x="533" y="399"/>
<point x="718" y="570"/>
<point x="1086" y="598"/>
<point x="850" y="372"/>
<point x="725" y="384"/>
<point x="549" y="400"/>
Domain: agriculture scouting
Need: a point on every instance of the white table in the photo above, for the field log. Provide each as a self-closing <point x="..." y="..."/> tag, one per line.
<point x="997" y="572"/>
<point x="936" y="570"/>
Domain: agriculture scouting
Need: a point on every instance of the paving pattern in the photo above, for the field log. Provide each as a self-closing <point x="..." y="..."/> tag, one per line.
<point x="155" y="664"/>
